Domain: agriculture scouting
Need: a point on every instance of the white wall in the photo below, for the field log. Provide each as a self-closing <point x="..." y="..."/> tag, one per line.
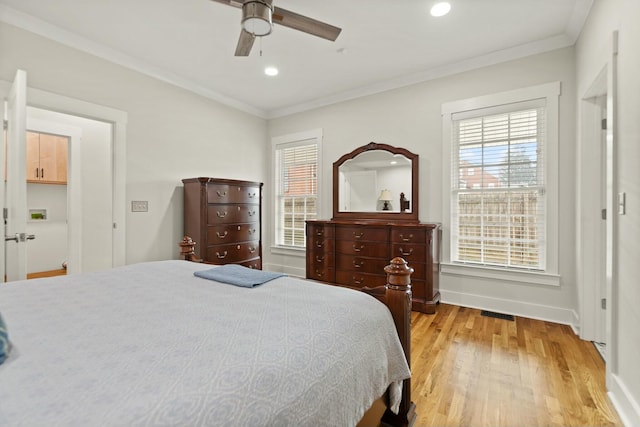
<point x="49" y="249"/>
<point x="593" y="51"/>
<point x="410" y="117"/>
<point x="171" y="133"/>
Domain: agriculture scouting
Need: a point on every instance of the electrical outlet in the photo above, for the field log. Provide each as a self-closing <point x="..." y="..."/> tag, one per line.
<point x="139" y="206"/>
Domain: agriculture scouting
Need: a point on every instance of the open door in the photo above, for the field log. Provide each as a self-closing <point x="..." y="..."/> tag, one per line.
<point x="14" y="198"/>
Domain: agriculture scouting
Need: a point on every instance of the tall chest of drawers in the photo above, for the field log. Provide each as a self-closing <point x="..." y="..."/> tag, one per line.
<point x="224" y="217"/>
<point x="354" y="255"/>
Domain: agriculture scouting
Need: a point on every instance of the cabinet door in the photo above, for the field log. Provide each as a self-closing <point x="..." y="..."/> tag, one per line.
<point x="33" y="156"/>
<point x="53" y="159"/>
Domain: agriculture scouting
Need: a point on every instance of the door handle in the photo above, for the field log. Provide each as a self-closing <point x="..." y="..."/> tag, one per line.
<point x="20" y="237"/>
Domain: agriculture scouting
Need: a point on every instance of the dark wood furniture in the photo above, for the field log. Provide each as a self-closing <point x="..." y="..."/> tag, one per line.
<point x="224" y="218"/>
<point x="353" y="254"/>
<point x="352" y="248"/>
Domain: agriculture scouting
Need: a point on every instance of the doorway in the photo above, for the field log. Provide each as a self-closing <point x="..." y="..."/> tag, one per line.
<point x="101" y="209"/>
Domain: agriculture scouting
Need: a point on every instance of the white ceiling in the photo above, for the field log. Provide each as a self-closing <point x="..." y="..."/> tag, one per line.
<point x="383" y="44"/>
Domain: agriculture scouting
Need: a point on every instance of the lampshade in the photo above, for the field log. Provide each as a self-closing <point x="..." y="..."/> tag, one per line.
<point x="385" y="195"/>
<point x="256" y="17"/>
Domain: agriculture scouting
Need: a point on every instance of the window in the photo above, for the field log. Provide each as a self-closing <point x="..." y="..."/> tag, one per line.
<point x="296" y="159"/>
<point x="499" y="215"/>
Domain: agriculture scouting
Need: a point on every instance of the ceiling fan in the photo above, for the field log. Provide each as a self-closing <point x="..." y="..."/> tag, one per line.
<point x="258" y="17"/>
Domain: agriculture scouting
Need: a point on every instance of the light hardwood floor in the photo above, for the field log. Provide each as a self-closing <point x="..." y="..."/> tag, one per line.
<point x="472" y="370"/>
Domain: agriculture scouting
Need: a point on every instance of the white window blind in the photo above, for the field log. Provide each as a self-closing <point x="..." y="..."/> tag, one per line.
<point x="498" y="214"/>
<point x="297" y="191"/>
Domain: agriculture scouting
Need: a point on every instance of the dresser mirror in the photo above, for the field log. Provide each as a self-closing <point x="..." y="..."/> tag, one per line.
<point x="376" y="182"/>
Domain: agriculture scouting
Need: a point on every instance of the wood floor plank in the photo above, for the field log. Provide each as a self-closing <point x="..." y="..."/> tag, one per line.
<point x="473" y="370"/>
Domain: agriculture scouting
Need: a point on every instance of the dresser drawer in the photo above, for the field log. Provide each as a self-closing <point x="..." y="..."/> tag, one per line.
<point x="408" y="235"/>
<point x="229" y="214"/>
<point x="370" y="234"/>
<point x="321" y="259"/>
<point x="319" y="231"/>
<point x="360" y="280"/>
<point x="256" y="263"/>
<point x="223" y="193"/>
<point x="229" y="233"/>
<point x="320" y="244"/>
<point x="410" y="252"/>
<point x="361" y="264"/>
<point x="322" y="273"/>
<point x="366" y="249"/>
<point x="233" y="252"/>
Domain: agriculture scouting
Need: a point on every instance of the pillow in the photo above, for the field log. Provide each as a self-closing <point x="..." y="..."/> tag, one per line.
<point x="4" y="341"/>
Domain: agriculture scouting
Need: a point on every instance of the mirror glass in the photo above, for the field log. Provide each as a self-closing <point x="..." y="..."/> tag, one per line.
<point x="372" y="182"/>
<point x="376" y="182"/>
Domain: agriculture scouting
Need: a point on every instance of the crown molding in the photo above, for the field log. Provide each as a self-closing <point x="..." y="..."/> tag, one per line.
<point x="42" y="28"/>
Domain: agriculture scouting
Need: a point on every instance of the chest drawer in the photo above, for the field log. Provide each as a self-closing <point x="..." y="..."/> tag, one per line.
<point x="369" y="234"/>
<point x="228" y="233"/>
<point x="225" y="193"/>
<point x="322" y="259"/>
<point x="322" y="273"/>
<point x="233" y="252"/>
<point x="365" y="249"/>
<point x="229" y="214"/>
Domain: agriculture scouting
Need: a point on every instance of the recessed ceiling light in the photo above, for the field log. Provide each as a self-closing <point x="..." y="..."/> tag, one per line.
<point x="271" y="71"/>
<point x="440" y="9"/>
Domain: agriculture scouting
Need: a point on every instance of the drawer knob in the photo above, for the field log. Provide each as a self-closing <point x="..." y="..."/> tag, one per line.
<point x="358" y="248"/>
<point x="358" y="264"/>
<point x="319" y="273"/>
<point x="221" y="193"/>
<point x="221" y="256"/>
<point x="406" y="239"/>
<point x="357" y="281"/>
<point x="252" y="231"/>
<point x="320" y="232"/>
<point x="358" y="235"/>
<point x="319" y="258"/>
<point x="221" y="236"/>
<point x="252" y="249"/>
<point x="319" y="244"/>
<point x="252" y="195"/>
<point x="403" y="253"/>
<point x="221" y="214"/>
<point x="251" y="213"/>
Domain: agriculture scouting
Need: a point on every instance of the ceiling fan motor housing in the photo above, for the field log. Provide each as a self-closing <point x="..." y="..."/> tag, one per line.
<point x="256" y="17"/>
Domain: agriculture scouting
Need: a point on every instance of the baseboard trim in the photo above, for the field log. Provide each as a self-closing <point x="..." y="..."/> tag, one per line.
<point x="517" y="308"/>
<point x="628" y="409"/>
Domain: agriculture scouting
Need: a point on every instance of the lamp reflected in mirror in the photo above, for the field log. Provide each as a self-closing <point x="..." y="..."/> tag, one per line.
<point x="385" y="196"/>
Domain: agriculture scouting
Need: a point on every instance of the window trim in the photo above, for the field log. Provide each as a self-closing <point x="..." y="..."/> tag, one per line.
<point x="550" y="92"/>
<point x="290" y="139"/>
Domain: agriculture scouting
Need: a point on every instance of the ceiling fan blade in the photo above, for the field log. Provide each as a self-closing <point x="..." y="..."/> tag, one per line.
<point x="245" y="43"/>
<point x="304" y="24"/>
<point x="234" y="3"/>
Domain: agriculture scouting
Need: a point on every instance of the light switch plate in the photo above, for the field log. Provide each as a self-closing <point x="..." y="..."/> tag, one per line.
<point x="139" y="206"/>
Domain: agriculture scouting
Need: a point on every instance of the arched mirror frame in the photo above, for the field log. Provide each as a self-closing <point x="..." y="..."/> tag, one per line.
<point x="411" y="216"/>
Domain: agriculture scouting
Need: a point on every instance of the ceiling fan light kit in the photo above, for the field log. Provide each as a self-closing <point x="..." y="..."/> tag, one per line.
<point x="258" y="17"/>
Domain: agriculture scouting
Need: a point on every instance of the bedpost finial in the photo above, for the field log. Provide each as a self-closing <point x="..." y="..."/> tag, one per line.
<point x="399" y="273"/>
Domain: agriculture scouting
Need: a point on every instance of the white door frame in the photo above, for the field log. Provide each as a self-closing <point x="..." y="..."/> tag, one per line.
<point x="592" y="248"/>
<point x="118" y="119"/>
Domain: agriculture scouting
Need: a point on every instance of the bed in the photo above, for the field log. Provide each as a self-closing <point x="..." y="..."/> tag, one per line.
<point x="152" y="344"/>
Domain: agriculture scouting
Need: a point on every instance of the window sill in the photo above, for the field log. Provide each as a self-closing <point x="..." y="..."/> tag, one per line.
<point x="509" y="275"/>
<point x="289" y="250"/>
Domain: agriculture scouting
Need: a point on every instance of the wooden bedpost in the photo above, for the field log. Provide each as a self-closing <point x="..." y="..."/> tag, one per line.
<point x="396" y="294"/>
<point x="187" y="249"/>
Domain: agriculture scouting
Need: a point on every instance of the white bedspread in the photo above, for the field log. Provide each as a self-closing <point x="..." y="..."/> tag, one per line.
<point x="150" y="344"/>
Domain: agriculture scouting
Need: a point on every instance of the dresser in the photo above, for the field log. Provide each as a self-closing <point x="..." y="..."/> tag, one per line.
<point x="353" y="254"/>
<point x="224" y="218"/>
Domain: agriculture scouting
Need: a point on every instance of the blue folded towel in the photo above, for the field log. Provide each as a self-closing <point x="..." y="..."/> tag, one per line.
<point x="238" y="275"/>
<point x="4" y="341"/>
